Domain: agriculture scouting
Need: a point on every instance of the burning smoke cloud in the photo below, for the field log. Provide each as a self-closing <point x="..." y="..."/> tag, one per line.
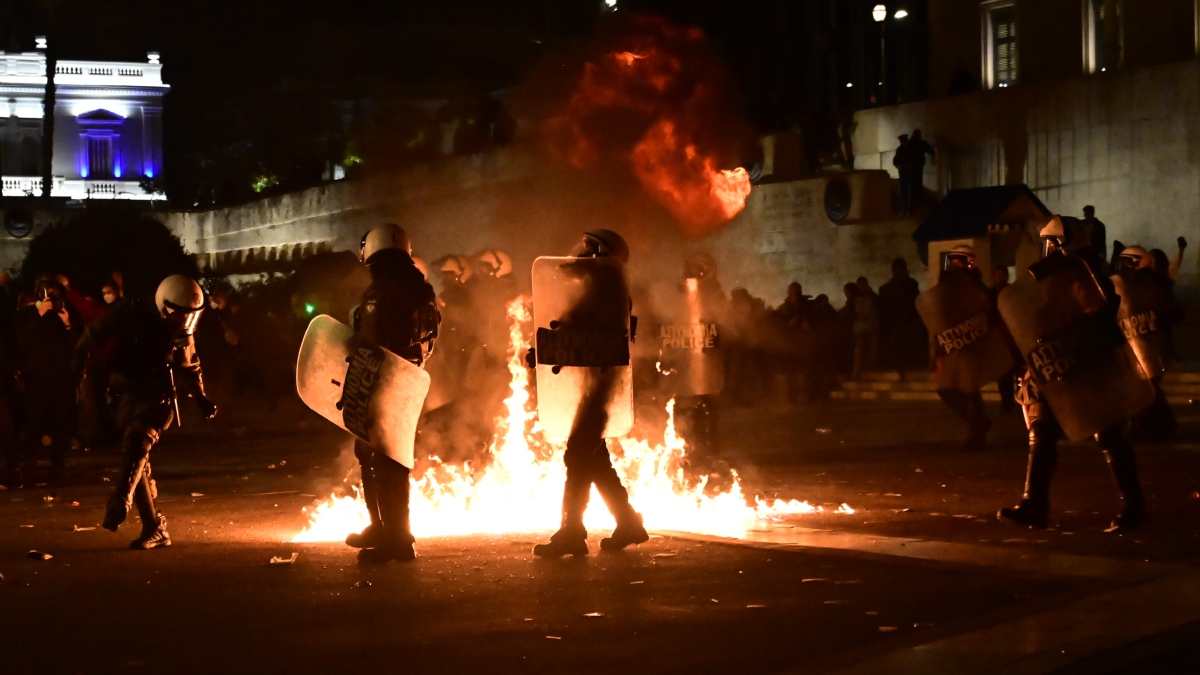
<point x="652" y="98"/>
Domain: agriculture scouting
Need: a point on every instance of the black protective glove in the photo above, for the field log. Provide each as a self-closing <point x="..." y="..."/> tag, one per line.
<point x="1182" y="243"/>
<point x="531" y="358"/>
<point x="208" y="409"/>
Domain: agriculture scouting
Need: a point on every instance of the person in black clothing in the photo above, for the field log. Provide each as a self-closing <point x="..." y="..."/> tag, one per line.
<point x="1099" y="233"/>
<point x="1007" y="384"/>
<point x="46" y="335"/>
<point x="399" y="313"/>
<point x="904" y="335"/>
<point x="587" y="459"/>
<point x="153" y="352"/>
<point x="910" y="164"/>
<point x="1044" y="430"/>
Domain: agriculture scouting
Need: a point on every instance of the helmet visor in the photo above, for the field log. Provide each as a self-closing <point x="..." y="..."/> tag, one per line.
<point x="184" y="319"/>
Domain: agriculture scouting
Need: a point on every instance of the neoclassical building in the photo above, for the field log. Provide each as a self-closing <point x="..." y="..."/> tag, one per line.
<point x="107" y="126"/>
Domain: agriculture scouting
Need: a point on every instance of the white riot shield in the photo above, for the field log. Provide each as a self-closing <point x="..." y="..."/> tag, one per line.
<point x="1145" y="309"/>
<point x="970" y="346"/>
<point x="361" y="387"/>
<point x="1075" y="352"/>
<point x="581" y="322"/>
<point x="689" y="342"/>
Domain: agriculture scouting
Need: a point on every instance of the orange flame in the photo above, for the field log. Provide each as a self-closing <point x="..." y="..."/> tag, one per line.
<point x="521" y="489"/>
<point x="675" y="102"/>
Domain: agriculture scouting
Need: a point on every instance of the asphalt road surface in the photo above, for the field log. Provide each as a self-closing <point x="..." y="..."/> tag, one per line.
<point x="922" y="578"/>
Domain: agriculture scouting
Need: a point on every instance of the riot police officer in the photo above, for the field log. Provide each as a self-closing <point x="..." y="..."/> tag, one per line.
<point x="1146" y="315"/>
<point x="969" y="351"/>
<point x="399" y="313"/>
<point x="153" y="345"/>
<point x="691" y="354"/>
<point x="1064" y="318"/>
<point x="587" y="458"/>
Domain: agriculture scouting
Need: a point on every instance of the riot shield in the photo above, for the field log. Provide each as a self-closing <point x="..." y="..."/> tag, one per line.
<point x="1145" y="308"/>
<point x="361" y="387"/>
<point x="689" y="341"/>
<point x="970" y="346"/>
<point x="581" y="318"/>
<point x="1076" y="354"/>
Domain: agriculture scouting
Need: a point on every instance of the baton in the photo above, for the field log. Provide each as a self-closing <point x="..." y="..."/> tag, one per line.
<point x="175" y="397"/>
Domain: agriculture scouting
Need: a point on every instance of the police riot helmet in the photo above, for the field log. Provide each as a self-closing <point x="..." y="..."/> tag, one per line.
<point x="388" y="235"/>
<point x="1064" y="233"/>
<point x="180" y="300"/>
<point x="1133" y="257"/>
<point x="962" y="256"/>
<point x="604" y="244"/>
<point x="495" y="263"/>
<point x="456" y="267"/>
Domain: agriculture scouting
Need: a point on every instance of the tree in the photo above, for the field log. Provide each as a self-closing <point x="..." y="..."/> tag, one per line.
<point x="90" y="247"/>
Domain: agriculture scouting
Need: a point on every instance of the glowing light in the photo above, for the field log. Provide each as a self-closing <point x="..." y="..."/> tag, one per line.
<point x="116" y="170"/>
<point x="879" y="13"/>
<point x="900" y="14"/>
<point x="520" y="488"/>
<point x="309" y="308"/>
<point x="676" y="159"/>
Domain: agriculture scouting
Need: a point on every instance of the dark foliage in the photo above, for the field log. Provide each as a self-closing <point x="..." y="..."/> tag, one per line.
<point x="90" y="247"/>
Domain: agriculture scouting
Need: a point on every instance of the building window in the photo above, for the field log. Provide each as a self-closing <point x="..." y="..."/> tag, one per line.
<point x="1103" y="35"/>
<point x="999" y="44"/>
<point x="100" y="159"/>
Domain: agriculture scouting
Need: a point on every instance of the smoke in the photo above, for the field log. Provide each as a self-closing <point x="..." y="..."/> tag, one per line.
<point x="638" y="131"/>
<point x="652" y="101"/>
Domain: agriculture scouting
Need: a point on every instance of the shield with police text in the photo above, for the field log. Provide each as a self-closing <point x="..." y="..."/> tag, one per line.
<point x="965" y="334"/>
<point x="361" y="387"/>
<point x="1075" y="351"/>
<point x="688" y="338"/>
<point x="581" y="320"/>
<point x="1146" y="306"/>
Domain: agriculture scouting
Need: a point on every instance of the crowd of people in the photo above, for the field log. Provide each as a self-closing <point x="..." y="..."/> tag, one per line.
<point x="813" y="342"/>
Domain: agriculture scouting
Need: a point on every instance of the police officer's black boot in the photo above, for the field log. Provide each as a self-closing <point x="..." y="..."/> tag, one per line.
<point x="395" y="542"/>
<point x="154" y="524"/>
<point x="629" y="528"/>
<point x="1121" y="462"/>
<point x="122" y="497"/>
<point x="373" y="533"/>
<point x="571" y="537"/>
<point x="1034" y="509"/>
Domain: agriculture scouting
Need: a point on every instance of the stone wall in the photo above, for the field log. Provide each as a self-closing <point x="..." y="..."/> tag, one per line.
<point x="508" y="200"/>
<point x="1125" y="142"/>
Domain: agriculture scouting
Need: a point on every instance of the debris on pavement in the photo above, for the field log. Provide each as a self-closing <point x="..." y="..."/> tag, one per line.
<point x="824" y="430"/>
<point x="887" y="629"/>
<point x="197" y="494"/>
<point x="665" y="555"/>
<point x="594" y="615"/>
<point x="279" y="560"/>
<point x="27" y="526"/>
<point x="83" y="529"/>
<point x="755" y="606"/>
<point x="553" y="637"/>
<point x="38" y="555"/>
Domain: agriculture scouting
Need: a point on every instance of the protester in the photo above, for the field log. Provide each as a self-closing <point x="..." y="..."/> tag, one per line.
<point x="903" y="332"/>
<point x="46" y="335"/>
<point x="866" y="329"/>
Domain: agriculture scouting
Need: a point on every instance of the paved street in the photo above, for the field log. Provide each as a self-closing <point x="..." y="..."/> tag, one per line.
<point x="922" y="578"/>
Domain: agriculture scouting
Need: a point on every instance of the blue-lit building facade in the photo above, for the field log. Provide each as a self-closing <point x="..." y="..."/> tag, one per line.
<point x="107" y="126"/>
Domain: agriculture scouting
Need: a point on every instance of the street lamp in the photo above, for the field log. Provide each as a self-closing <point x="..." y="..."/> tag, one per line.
<point x="879" y="13"/>
<point x="900" y="14"/>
